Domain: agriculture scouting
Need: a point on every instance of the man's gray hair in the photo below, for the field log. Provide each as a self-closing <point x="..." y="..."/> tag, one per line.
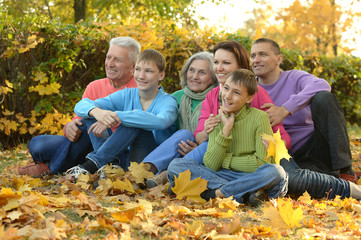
<point x="207" y="56"/>
<point x="130" y="43"/>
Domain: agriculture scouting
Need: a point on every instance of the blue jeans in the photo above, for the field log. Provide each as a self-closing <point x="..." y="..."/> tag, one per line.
<point x="114" y="146"/>
<point x="59" y="152"/>
<point x="168" y="150"/>
<point x="317" y="184"/>
<point x="328" y="149"/>
<point x="270" y="177"/>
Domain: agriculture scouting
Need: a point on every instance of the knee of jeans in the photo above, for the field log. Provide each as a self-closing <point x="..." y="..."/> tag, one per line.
<point x="35" y="146"/>
<point x="177" y="165"/>
<point x="322" y="99"/>
<point x="277" y="172"/>
<point x="185" y="134"/>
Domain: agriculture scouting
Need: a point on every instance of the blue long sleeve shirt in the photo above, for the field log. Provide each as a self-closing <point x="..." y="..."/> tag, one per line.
<point x="159" y="118"/>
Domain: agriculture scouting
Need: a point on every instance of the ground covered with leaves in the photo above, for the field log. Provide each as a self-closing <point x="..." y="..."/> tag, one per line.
<point x="56" y="208"/>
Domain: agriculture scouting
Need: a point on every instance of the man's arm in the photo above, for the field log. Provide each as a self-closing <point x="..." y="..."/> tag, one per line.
<point x="306" y="85"/>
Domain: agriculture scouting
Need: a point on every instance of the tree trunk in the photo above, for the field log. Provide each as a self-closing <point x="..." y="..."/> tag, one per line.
<point x="79" y="10"/>
<point x="333" y="32"/>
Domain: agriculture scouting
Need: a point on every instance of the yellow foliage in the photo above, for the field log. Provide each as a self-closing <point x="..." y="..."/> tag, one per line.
<point x="277" y="148"/>
<point x="290" y="216"/>
<point x="187" y="188"/>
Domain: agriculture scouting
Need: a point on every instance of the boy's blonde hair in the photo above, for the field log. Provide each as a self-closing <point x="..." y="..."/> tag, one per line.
<point x="151" y="55"/>
<point x="246" y="78"/>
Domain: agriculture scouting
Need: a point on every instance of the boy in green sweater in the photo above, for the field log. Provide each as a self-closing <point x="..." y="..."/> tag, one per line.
<point x="235" y="163"/>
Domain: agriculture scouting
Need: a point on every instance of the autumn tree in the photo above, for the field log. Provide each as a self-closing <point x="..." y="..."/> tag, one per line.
<point x="307" y="25"/>
<point x="70" y="11"/>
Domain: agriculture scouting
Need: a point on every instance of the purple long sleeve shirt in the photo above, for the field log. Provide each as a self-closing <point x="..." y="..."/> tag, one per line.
<point x="294" y="90"/>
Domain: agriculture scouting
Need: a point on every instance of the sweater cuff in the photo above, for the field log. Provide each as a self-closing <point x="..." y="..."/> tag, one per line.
<point x="223" y="140"/>
<point x="227" y="161"/>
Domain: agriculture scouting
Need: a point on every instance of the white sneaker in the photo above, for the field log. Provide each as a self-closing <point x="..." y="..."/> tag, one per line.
<point x="76" y="171"/>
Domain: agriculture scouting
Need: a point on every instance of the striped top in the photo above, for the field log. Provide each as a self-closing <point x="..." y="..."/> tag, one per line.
<point x="243" y="150"/>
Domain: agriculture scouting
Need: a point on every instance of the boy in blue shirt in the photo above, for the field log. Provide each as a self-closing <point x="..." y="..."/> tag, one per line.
<point x="146" y="117"/>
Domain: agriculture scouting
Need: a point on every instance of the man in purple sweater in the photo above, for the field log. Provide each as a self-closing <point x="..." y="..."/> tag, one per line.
<point x="308" y="110"/>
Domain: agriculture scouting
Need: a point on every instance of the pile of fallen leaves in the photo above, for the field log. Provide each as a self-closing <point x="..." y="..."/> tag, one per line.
<point x="118" y="208"/>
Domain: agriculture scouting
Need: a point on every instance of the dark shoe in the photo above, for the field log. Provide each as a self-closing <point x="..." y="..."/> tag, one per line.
<point x="170" y="191"/>
<point x="348" y="177"/>
<point x="208" y="194"/>
<point x="257" y="198"/>
<point x="159" y="179"/>
<point x="37" y="169"/>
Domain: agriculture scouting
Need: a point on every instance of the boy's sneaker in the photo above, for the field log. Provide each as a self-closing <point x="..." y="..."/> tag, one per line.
<point x="159" y="179"/>
<point x="75" y="172"/>
<point x="37" y="169"/>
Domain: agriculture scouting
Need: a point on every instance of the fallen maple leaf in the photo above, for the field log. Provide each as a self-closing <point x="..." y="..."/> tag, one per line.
<point x="190" y="189"/>
<point x="140" y="172"/>
<point x="126" y="185"/>
<point x="277" y="148"/>
<point x="290" y="216"/>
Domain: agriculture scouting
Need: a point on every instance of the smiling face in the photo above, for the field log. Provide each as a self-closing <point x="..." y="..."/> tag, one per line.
<point x="225" y="62"/>
<point x="199" y="76"/>
<point x="118" y="66"/>
<point x="264" y="61"/>
<point x="147" y="75"/>
<point x="234" y="96"/>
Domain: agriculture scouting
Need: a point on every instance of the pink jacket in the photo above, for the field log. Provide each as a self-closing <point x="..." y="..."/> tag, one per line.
<point x="211" y="105"/>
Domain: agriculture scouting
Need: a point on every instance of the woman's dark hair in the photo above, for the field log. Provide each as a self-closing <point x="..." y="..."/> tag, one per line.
<point x="238" y="50"/>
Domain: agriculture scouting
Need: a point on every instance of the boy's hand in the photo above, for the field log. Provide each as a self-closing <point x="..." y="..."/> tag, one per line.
<point x="265" y="143"/>
<point x="105" y="117"/>
<point x="211" y="123"/>
<point x="98" y="129"/>
<point x="227" y="122"/>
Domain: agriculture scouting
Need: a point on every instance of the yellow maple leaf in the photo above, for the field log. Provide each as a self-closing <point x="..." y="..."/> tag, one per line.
<point x="41" y="77"/>
<point x="290" y="216"/>
<point x="126" y="215"/>
<point x="126" y="185"/>
<point x="190" y="189"/>
<point x="277" y="148"/>
<point x="139" y="172"/>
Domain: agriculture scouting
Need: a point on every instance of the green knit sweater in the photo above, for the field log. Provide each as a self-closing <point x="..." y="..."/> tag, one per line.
<point x="243" y="150"/>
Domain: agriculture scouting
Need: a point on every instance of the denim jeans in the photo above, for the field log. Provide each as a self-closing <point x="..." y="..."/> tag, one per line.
<point x="168" y="150"/>
<point x="328" y="149"/>
<point x="113" y="146"/>
<point x="317" y="184"/>
<point x="59" y="152"/>
<point x="270" y="177"/>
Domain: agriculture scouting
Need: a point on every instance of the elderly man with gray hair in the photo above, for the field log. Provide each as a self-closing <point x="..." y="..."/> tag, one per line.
<point x="53" y="154"/>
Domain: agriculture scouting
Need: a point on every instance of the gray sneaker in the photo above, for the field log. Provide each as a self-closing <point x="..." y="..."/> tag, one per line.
<point x="161" y="178"/>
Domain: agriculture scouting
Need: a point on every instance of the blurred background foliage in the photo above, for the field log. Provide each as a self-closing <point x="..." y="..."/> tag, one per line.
<point x="50" y="51"/>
